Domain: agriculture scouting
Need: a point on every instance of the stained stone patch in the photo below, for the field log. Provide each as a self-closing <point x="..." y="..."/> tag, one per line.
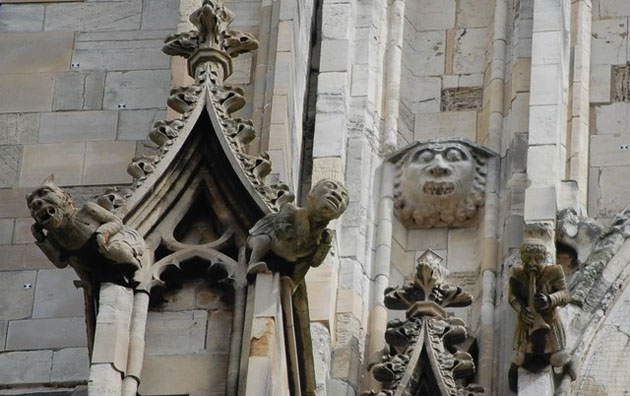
<point x="193" y="374"/>
<point x="454" y="99"/>
<point x="46" y="333"/>
<point x="79" y="90"/>
<point x="56" y="295"/>
<point x="176" y="333"/>
<point x="36" y="92"/>
<point x="621" y="83"/>
<point x="20" y="128"/>
<point x="16" y="293"/>
<point x="10" y="157"/>
<point x="25" y="367"/>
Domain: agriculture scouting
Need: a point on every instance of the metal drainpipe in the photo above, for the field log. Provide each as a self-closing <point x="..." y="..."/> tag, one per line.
<point x="490" y="264"/>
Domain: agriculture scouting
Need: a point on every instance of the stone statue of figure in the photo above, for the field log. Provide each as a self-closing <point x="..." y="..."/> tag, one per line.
<point x="536" y="290"/>
<point x="89" y="239"/>
<point x="299" y="235"/>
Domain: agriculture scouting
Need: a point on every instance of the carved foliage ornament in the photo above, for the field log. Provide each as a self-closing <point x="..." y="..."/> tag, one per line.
<point x="440" y="183"/>
<point x="424" y="356"/>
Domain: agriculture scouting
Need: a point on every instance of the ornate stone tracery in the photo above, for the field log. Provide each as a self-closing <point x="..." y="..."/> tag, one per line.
<point x="424" y="357"/>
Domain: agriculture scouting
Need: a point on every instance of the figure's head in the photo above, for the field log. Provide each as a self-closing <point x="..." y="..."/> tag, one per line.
<point x="328" y="199"/>
<point x="440" y="183"/>
<point x="50" y="206"/>
<point x="534" y="255"/>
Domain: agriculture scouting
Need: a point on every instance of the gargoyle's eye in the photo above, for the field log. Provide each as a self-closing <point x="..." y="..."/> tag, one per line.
<point x="424" y="156"/>
<point x="454" y="155"/>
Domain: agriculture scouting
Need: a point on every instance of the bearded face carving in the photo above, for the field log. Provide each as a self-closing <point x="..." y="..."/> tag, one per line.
<point x="440" y="183"/>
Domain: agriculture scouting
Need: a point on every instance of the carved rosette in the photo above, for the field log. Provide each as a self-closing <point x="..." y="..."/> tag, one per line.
<point x="209" y="49"/>
<point x="428" y="336"/>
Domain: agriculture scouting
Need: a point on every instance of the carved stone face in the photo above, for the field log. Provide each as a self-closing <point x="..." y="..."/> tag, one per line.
<point x="439" y="184"/>
<point x="328" y="198"/>
<point x="50" y="206"/>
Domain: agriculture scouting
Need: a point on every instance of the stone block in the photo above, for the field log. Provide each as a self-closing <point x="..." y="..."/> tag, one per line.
<point x="30" y="367"/>
<point x="427" y="239"/>
<point x="600" y="83"/>
<point x="56" y="296"/>
<point x="329" y="135"/>
<point x="336" y="21"/>
<point x="420" y="94"/>
<point x="348" y="301"/>
<point x="241" y="70"/>
<point x="219" y="330"/>
<point x="136" y="124"/>
<point x="464" y="250"/>
<point x="22" y="232"/>
<point x="543" y="165"/>
<point x="540" y="204"/>
<point x="470" y="50"/>
<point x="70" y="365"/>
<point x="424" y="52"/>
<point x="6" y="231"/>
<point x="50" y="333"/>
<point x="128" y="53"/>
<point x="22" y="18"/>
<point x="402" y="259"/>
<point x="106" y="162"/>
<point x="474" y="13"/>
<point x="16" y="291"/>
<point x="29" y="92"/>
<point x="79" y="90"/>
<point x="612" y="118"/>
<point x="614" y="185"/>
<point x="93" y="16"/>
<point x="10" y="158"/>
<point x="64" y="160"/>
<point x="322" y="299"/>
<point x="137" y="89"/>
<point x="334" y="55"/>
<point x="20" y="128"/>
<point x="545" y="123"/>
<point x="34" y="258"/>
<point x="193" y="375"/>
<point x="160" y="14"/>
<point x="176" y="333"/>
<point x="613" y="9"/>
<point x="609" y="41"/>
<point x="610" y="150"/>
<point x="35" y="52"/>
<point x="12" y="203"/>
<point x="519" y="115"/>
<point x="545" y="88"/>
<point x="431" y="14"/>
<point x="78" y="126"/>
<point x="462" y="124"/>
<point x="331" y="93"/>
<point x="521" y="76"/>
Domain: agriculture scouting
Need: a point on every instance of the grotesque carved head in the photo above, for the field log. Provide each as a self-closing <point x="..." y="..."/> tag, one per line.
<point x="50" y="206"/>
<point x="440" y="183"/>
<point x="328" y="199"/>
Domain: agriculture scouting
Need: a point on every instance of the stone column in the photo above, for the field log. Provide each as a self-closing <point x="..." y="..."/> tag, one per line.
<point x="111" y="340"/>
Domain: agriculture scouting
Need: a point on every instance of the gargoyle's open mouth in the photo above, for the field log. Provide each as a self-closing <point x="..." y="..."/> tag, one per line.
<point x="45" y="214"/>
<point x="438" y="188"/>
<point x="332" y="201"/>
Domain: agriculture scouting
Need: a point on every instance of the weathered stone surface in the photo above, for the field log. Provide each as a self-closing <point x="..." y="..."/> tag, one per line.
<point x="10" y="157"/>
<point x="464" y="250"/>
<point x="193" y="374"/>
<point x="22" y="232"/>
<point x="46" y="333"/>
<point x="35" y="52"/>
<point x="78" y="126"/>
<point x="6" y="231"/>
<point x="71" y="364"/>
<point x="79" y="90"/>
<point x="20" y="128"/>
<point x="613" y="9"/>
<point x="35" y="92"/>
<point x="469" y="52"/>
<point x="612" y="118"/>
<point x="111" y="340"/>
<point x="334" y="56"/>
<point x="22" y="18"/>
<point x="535" y="384"/>
<point x="420" y="94"/>
<point x="56" y="295"/>
<point x="621" y="83"/>
<point x="64" y="160"/>
<point x="600" y="83"/>
<point x="16" y="290"/>
<point x="609" y="150"/>
<point x="106" y="162"/>
<point x="474" y="13"/>
<point x="121" y="54"/>
<point x="609" y="41"/>
<point x="25" y="367"/>
<point x="461" y="124"/>
<point x="613" y="189"/>
<point x="160" y="14"/>
<point x="424" y="52"/>
<point x="328" y="141"/>
<point x="466" y="98"/>
<point x="136" y="124"/>
<point x="431" y="14"/>
<point x="12" y="203"/>
<point x="136" y="89"/>
<point x="176" y="333"/>
<point x="93" y="16"/>
<point x="219" y="330"/>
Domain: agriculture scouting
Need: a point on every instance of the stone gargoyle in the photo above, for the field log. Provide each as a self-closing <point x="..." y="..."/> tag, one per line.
<point x="299" y="235"/>
<point x="440" y="183"/>
<point x="90" y="239"/>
